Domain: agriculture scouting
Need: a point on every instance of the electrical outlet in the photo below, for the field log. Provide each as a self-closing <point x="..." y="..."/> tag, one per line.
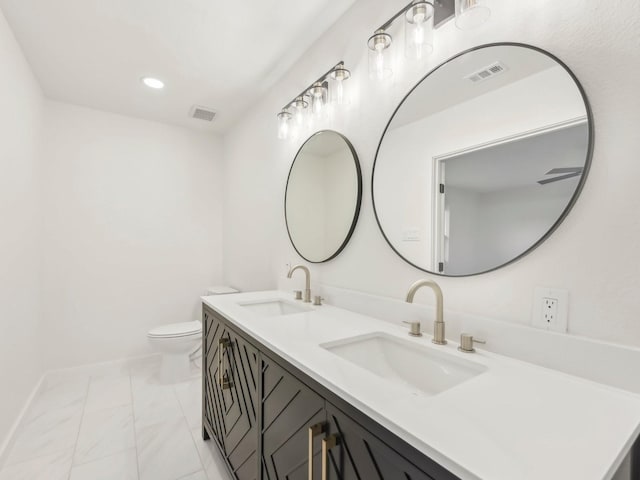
<point x="550" y="309"/>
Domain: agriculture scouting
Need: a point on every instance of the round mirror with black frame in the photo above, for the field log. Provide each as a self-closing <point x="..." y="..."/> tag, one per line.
<point x="323" y="195"/>
<point x="482" y="160"/>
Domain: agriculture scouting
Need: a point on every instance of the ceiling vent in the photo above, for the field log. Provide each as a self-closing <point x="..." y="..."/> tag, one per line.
<point x="487" y="72"/>
<point x="202" y="113"/>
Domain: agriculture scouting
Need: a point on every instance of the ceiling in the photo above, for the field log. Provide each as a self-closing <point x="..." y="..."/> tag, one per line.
<point x="213" y="53"/>
<point x="520" y="163"/>
<point x="448" y="86"/>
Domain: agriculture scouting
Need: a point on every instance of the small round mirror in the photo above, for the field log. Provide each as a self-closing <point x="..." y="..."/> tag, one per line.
<point x="322" y="199"/>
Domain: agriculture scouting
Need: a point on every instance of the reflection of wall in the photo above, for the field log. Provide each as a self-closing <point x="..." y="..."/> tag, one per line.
<point x="600" y="235"/>
<point x="544" y="98"/>
<point x="321" y="196"/>
<point x="341" y="193"/>
<point x="492" y="228"/>
<point x="21" y="116"/>
<point x="306" y="206"/>
<point x="465" y="226"/>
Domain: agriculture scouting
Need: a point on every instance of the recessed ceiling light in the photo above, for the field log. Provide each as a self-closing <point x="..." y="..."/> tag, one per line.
<point x="153" y="82"/>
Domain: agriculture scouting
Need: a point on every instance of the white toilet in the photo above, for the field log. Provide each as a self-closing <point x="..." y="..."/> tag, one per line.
<point x="177" y="341"/>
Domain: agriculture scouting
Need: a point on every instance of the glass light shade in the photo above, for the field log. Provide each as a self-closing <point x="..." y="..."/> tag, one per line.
<point x="300" y="106"/>
<point x="380" y="55"/>
<point x="318" y="93"/>
<point x="418" y="30"/>
<point x="471" y="13"/>
<point x="283" y="124"/>
<point x="339" y="75"/>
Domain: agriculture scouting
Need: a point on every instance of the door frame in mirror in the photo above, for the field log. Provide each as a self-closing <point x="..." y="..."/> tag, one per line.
<point x="574" y="197"/>
<point x="356" y="213"/>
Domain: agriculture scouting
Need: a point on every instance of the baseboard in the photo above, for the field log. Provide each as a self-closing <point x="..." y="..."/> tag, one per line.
<point x="8" y="440"/>
<point x="96" y="368"/>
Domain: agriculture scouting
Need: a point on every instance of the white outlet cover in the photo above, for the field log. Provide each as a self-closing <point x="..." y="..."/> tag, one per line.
<point x="562" y="316"/>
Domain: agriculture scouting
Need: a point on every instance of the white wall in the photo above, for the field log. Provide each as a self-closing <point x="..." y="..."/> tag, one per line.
<point x="21" y="104"/>
<point x="132" y="231"/>
<point x="589" y="254"/>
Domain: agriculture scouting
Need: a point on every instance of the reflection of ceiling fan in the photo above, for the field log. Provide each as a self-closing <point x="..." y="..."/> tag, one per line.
<point x="568" y="172"/>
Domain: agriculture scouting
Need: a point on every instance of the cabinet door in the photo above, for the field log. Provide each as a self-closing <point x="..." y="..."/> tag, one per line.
<point x="240" y="401"/>
<point x="356" y="454"/>
<point x="231" y="396"/>
<point x="289" y="411"/>
<point x="212" y="417"/>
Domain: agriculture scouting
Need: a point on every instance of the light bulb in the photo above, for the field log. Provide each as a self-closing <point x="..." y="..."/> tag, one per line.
<point x="317" y="91"/>
<point x="378" y="44"/>
<point x="339" y="74"/>
<point x="300" y="105"/>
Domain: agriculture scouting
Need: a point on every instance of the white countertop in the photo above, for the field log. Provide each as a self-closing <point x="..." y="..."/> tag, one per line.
<point x="515" y="421"/>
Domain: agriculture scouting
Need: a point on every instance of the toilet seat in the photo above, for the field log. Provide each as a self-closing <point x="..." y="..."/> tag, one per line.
<point x="176" y="330"/>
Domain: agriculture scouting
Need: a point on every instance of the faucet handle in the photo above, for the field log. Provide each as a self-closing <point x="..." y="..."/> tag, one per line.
<point x="297" y="294"/>
<point x="467" y="341"/>
<point x="414" y="328"/>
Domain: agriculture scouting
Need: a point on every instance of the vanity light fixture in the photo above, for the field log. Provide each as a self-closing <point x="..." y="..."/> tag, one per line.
<point x="312" y="100"/>
<point x="421" y="17"/>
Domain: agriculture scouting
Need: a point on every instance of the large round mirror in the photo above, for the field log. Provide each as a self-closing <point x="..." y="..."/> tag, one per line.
<point x="322" y="200"/>
<point x="482" y="160"/>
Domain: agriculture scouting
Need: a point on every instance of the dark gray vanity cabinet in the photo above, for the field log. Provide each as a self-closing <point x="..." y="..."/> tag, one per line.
<point x="270" y="420"/>
<point x="230" y="396"/>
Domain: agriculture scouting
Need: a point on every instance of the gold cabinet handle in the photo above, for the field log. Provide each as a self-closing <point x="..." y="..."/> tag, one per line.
<point x="223" y="378"/>
<point x="327" y="444"/>
<point x="314" y="431"/>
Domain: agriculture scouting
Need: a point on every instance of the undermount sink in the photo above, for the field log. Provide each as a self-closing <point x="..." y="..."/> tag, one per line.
<point x="422" y="370"/>
<point x="274" y="308"/>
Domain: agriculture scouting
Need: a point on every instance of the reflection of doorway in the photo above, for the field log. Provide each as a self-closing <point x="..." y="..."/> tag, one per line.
<point x="493" y="201"/>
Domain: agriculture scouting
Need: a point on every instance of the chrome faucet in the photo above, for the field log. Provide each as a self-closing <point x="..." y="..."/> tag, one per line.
<point x="438" y="326"/>
<point x="307" y="284"/>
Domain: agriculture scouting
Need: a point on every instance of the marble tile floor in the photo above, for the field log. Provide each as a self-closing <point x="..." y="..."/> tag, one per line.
<point x="113" y="422"/>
